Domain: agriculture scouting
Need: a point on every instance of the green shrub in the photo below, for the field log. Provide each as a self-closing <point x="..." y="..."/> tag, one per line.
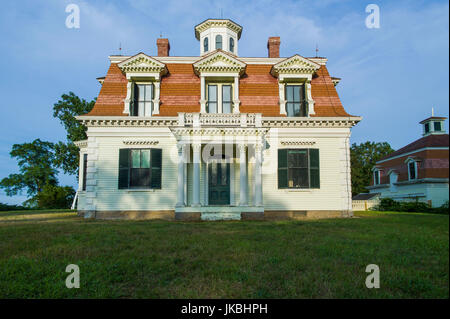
<point x="52" y="197"/>
<point x="6" y="207"/>
<point x="388" y="204"/>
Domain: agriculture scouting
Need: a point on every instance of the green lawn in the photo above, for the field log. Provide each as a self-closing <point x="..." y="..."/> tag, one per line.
<point x="288" y="259"/>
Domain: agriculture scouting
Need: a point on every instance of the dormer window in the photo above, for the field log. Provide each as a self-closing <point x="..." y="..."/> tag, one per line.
<point x="231" y="45"/>
<point x="142" y="104"/>
<point x="296" y="104"/>
<point x="219" y="98"/>
<point x="205" y="45"/>
<point x="218" y="42"/>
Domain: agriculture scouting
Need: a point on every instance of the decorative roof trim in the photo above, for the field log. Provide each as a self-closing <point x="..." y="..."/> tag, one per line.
<point x="294" y="65"/>
<point x="291" y="143"/>
<point x="268" y="122"/>
<point x="219" y="61"/>
<point x="140" y="142"/>
<point x="142" y="63"/>
<point x="81" y="144"/>
<point x="209" y="23"/>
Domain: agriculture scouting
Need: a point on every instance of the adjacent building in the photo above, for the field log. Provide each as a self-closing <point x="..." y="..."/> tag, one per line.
<point x="419" y="171"/>
<point x="216" y="136"/>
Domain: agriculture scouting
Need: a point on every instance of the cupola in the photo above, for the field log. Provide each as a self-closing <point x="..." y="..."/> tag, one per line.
<point x="433" y="125"/>
<point x="216" y="34"/>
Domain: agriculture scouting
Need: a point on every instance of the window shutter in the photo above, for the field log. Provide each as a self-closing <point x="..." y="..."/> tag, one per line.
<point x="282" y="168"/>
<point x="124" y="168"/>
<point x="156" y="163"/>
<point x="314" y="169"/>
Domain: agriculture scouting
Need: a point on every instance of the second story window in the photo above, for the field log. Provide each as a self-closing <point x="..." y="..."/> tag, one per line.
<point x="412" y="170"/>
<point x="143" y="100"/>
<point x="295" y="100"/>
<point x="205" y="45"/>
<point x="231" y="45"/>
<point x="218" y="42"/>
<point x="376" y="177"/>
<point x="219" y="98"/>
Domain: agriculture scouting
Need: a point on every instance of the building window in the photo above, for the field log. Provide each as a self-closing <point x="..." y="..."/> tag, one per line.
<point x="231" y="45"/>
<point x="143" y="95"/>
<point x="437" y="126"/>
<point x="298" y="168"/>
<point x="205" y="45"/>
<point x="295" y="100"/>
<point x="376" y="177"/>
<point x="412" y="170"/>
<point x="218" y="42"/>
<point x="427" y="128"/>
<point x="84" y="168"/>
<point x="140" y="168"/>
<point x="219" y="98"/>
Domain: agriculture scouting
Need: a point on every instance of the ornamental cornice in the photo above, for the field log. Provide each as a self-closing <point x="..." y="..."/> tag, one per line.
<point x="81" y="144"/>
<point x="294" y="65"/>
<point x="297" y="143"/>
<point x="142" y="63"/>
<point x="186" y="131"/>
<point x="205" y="25"/>
<point x="219" y="62"/>
<point x="140" y="142"/>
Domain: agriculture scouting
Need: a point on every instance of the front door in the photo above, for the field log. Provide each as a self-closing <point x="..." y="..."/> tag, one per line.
<point x="219" y="183"/>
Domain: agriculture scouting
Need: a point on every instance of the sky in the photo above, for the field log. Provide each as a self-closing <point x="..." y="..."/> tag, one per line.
<point x="391" y="76"/>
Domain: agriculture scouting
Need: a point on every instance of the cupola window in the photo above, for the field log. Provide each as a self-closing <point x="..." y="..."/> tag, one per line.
<point x="218" y="42"/>
<point x="205" y="45"/>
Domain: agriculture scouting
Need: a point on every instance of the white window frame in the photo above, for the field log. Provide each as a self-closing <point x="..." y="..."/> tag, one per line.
<point x="219" y="95"/>
<point x="152" y="83"/>
<point x="415" y="170"/>
<point x="376" y="171"/>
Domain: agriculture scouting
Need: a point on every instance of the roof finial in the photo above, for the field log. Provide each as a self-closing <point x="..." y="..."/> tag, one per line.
<point x="160" y="34"/>
<point x="432" y="111"/>
<point x="120" y="48"/>
<point x="317" y="50"/>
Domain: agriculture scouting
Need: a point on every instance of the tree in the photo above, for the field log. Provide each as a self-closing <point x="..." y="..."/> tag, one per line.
<point x="35" y="162"/>
<point x="363" y="158"/>
<point x="69" y="106"/>
<point x="53" y="197"/>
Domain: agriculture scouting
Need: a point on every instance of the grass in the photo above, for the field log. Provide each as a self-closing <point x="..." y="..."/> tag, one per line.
<point x="285" y="259"/>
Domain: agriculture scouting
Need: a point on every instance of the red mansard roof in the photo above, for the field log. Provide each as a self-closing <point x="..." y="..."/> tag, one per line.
<point x="180" y="92"/>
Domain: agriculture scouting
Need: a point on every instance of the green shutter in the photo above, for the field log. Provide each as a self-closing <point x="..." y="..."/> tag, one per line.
<point x="282" y="168"/>
<point x="314" y="168"/>
<point x="124" y="168"/>
<point x="156" y="163"/>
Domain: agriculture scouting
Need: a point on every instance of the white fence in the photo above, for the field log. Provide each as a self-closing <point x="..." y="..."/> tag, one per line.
<point x="364" y="204"/>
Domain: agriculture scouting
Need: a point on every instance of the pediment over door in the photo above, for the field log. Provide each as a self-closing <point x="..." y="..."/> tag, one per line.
<point x="219" y="62"/>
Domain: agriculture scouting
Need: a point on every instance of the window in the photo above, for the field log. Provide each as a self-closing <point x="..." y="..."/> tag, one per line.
<point x="295" y="100"/>
<point x="205" y="45"/>
<point x="219" y="98"/>
<point x="231" y="45"/>
<point x="412" y="170"/>
<point x="140" y="168"/>
<point x="143" y="100"/>
<point x="84" y="168"/>
<point x="298" y="168"/>
<point x="427" y="128"/>
<point x="218" y="42"/>
<point x="376" y="177"/>
<point x="437" y="126"/>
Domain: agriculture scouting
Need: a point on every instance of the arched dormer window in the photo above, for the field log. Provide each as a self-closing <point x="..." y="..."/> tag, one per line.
<point x="231" y="45"/>
<point x="218" y="41"/>
<point x="205" y="45"/>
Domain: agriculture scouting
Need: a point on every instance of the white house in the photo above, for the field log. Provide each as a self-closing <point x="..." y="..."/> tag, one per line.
<point x="216" y="136"/>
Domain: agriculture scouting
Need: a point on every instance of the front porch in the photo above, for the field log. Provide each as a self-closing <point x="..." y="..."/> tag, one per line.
<point x="219" y="173"/>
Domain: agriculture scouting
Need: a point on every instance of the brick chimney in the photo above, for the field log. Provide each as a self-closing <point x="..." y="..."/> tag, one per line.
<point x="163" y="47"/>
<point x="273" y="47"/>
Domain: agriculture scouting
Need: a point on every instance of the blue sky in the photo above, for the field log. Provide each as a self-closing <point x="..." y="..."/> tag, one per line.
<point x="391" y="76"/>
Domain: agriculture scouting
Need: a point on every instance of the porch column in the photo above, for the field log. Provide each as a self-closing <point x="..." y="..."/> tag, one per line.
<point x="196" y="178"/>
<point x="258" y="174"/>
<point x="180" y="188"/>
<point x="243" y="201"/>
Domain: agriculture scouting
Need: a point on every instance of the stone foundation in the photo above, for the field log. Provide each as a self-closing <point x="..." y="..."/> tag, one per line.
<point x="170" y="215"/>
